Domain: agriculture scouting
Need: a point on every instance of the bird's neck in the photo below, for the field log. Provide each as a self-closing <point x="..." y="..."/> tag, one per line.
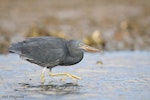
<point x="73" y="59"/>
<point x="72" y="56"/>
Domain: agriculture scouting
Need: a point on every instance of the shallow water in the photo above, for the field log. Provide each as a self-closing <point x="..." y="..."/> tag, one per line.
<point x="122" y="76"/>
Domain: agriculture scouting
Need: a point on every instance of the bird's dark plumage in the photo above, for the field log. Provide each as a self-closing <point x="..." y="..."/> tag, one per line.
<point x="48" y="51"/>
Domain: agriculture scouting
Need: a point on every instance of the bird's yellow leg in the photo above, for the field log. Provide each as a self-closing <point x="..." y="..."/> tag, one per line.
<point x="65" y="75"/>
<point x="42" y="75"/>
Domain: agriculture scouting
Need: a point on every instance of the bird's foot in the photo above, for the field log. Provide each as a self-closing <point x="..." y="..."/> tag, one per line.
<point x="74" y="77"/>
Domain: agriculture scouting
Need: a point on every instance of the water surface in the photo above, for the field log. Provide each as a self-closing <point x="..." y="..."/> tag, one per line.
<point x="122" y="76"/>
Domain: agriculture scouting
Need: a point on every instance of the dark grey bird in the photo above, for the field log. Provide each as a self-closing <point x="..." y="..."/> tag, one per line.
<point x="49" y="52"/>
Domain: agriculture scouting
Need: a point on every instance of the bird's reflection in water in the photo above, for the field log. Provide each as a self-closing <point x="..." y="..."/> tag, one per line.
<point x="50" y="89"/>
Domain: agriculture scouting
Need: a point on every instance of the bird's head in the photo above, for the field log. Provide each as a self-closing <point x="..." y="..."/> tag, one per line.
<point x="78" y="45"/>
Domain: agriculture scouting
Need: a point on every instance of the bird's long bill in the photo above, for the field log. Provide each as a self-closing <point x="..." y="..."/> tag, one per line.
<point x="90" y="49"/>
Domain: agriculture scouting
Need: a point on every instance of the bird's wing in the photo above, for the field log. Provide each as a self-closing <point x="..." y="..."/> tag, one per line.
<point x="43" y="51"/>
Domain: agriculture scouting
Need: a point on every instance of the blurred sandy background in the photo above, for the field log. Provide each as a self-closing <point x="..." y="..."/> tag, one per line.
<point x="106" y="24"/>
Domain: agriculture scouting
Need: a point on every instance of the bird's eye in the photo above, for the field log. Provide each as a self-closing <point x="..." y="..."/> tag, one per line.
<point x="80" y="44"/>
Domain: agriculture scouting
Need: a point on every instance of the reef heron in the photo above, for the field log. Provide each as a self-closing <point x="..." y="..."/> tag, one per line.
<point x="49" y="52"/>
